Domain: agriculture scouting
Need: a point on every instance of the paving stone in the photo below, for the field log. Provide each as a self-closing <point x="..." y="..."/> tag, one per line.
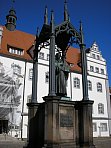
<point x="9" y="142"/>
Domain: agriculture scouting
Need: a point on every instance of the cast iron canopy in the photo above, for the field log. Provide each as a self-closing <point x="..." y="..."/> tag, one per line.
<point x="65" y="35"/>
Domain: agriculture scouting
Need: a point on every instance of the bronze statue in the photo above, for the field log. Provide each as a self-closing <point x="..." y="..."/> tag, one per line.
<point x="61" y="72"/>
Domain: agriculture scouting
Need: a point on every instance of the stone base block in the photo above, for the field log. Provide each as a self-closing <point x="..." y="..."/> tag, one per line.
<point x="60" y="124"/>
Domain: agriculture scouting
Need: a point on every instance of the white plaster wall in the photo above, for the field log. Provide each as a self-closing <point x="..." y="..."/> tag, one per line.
<point x="76" y="92"/>
<point x="42" y="86"/>
<point x="98" y="97"/>
<point x="69" y="87"/>
<point x="28" y="85"/>
<point x="26" y="93"/>
<point x="100" y="66"/>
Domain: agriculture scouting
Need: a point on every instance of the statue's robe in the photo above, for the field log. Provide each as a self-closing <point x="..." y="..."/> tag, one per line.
<point x="62" y="71"/>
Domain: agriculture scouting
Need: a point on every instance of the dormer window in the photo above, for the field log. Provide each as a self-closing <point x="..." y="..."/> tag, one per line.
<point x="71" y="65"/>
<point x="16" y="51"/>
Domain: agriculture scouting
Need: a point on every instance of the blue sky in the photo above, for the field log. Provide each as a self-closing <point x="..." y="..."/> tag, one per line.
<point x="95" y="15"/>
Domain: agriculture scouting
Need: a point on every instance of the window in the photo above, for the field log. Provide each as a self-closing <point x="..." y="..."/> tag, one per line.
<point x="11" y="126"/>
<point x="29" y="97"/>
<point x="98" y="57"/>
<point x="16" y="127"/>
<point x="97" y="70"/>
<point x="71" y="65"/>
<point x="16" y="51"/>
<point x="100" y="108"/>
<point x="10" y="19"/>
<point x="99" y="87"/>
<point x="30" y="73"/>
<point x="41" y="55"/>
<point x="16" y="69"/>
<point x="76" y="83"/>
<point x="93" y="55"/>
<point x="103" y="127"/>
<point x="94" y="127"/>
<point x="47" y="57"/>
<point x="91" y="68"/>
<point x="13" y="20"/>
<point x="89" y="85"/>
<point x="102" y="71"/>
<point x="47" y="77"/>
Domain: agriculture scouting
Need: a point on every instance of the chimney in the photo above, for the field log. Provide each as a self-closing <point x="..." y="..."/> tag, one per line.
<point x="1" y="34"/>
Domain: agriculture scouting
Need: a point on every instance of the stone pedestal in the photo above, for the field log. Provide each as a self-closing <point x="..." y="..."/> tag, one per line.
<point x="32" y="124"/>
<point x="60" y="123"/>
<point x="85" y="129"/>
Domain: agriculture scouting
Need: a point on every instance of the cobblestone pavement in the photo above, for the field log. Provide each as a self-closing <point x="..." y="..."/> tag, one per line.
<point x="102" y="142"/>
<point x="9" y="142"/>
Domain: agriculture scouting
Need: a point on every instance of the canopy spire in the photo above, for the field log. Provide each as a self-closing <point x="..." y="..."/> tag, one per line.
<point x="46" y="16"/>
<point x="66" y="16"/>
<point x="81" y="32"/>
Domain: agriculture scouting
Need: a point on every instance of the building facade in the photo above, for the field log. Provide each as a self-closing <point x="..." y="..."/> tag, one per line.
<point x="16" y="72"/>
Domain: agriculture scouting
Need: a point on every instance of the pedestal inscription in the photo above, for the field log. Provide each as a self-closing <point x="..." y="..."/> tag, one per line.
<point x="66" y="124"/>
<point x="66" y="120"/>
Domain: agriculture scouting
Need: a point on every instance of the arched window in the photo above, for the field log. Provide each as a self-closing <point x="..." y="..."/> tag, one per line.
<point x="30" y="73"/>
<point x="99" y="87"/>
<point x="10" y="19"/>
<point x="100" y="108"/>
<point x="89" y="85"/>
<point x="13" y="20"/>
<point x="76" y="83"/>
<point x="47" y="77"/>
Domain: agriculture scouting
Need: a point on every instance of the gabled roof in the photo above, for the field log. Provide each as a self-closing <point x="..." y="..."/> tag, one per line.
<point x="25" y="41"/>
<point x="17" y="39"/>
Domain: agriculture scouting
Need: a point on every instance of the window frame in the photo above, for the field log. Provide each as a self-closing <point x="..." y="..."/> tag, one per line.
<point x="41" y="55"/>
<point x="89" y="85"/>
<point x="16" y="51"/>
<point x="93" y="56"/>
<point x="92" y="68"/>
<point x="96" y="69"/>
<point x="76" y="82"/>
<point x="47" y="77"/>
<point x="104" y="127"/>
<point x="98" y="57"/>
<point x="102" y="71"/>
<point x="94" y="127"/>
<point x="100" y="108"/>
<point x="99" y="87"/>
<point x="30" y="73"/>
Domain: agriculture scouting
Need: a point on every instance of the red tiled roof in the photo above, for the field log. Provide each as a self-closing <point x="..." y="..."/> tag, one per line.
<point x="22" y="40"/>
<point x="73" y="57"/>
<point x="16" y="39"/>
